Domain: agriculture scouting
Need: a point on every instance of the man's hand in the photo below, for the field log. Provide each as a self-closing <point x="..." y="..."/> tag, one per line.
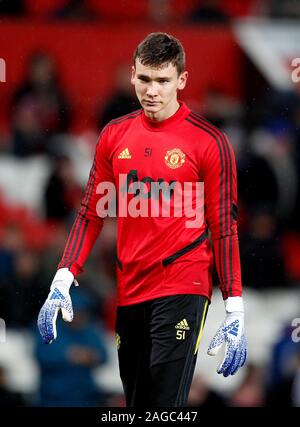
<point x="231" y="332"/>
<point x="58" y="299"/>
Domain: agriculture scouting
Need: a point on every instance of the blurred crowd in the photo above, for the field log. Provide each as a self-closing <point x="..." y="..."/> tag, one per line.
<point x="263" y="128"/>
<point x="154" y="11"/>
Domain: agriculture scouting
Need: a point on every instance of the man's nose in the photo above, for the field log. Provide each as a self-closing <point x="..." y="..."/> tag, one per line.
<point x="152" y="89"/>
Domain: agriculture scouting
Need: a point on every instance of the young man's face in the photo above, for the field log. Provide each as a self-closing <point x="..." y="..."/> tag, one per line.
<point x="156" y="88"/>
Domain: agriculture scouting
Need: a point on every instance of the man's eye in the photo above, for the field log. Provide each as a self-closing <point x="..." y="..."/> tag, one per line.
<point x="163" y="81"/>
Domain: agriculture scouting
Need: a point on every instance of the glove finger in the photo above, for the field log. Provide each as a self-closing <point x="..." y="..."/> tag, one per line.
<point x="66" y="315"/>
<point x="51" y="316"/>
<point x="231" y="366"/>
<point x="228" y="357"/>
<point x="236" y="364"/>
<point x="67" y="312"/>
<point x="47" y="322"/>
<point x="227" y="371"/>
<point x="216" y="343"/>
<point x="245" y="349"/>
<point x="243" y="360"/>
<point x="41" y="323"/>
<point x="242" y="350"/>
<point x="243" y="346"/>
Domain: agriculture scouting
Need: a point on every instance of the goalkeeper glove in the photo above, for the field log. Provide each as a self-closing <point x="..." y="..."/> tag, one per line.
<point x="231" y="332"/>
<point x="58" y="299"/>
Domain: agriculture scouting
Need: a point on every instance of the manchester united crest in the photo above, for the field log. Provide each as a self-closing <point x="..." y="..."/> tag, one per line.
<point x="174" y="158"/>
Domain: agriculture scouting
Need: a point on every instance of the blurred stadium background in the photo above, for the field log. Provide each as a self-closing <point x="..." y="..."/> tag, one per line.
<point x="65" y="73"/>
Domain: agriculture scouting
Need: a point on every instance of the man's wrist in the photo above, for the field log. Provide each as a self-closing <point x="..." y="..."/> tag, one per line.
<point x="234" y="304"/>
<point x="64" y="278"/>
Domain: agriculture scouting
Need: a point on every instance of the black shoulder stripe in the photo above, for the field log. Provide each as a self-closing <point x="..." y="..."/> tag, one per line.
<point x="80" y="226"/>
<point x="228" y="218"/>
<point x="195" y="122"/>
<point x="228" y="197"/>
<point x="225" y="193"/>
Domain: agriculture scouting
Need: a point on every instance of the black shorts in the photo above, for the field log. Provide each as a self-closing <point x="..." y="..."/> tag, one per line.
<point x="157" y="345"/>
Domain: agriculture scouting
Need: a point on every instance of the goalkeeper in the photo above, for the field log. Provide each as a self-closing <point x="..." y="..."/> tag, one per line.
<point x="164" y="267"/>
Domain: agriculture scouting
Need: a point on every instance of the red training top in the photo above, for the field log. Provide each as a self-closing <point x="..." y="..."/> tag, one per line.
<point x="160" y="256"/>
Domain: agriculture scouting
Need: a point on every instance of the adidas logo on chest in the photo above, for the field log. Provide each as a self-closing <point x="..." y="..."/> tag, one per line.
<point x="125" y="154"/>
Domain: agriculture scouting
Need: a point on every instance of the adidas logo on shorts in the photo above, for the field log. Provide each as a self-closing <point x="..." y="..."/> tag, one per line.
<point x="183" y="325"/>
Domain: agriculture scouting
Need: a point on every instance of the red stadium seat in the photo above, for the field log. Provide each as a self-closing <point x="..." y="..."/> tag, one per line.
<point x="43" y="8"/>
<point x="291" y="254"/>
<point x="119" y="10"/>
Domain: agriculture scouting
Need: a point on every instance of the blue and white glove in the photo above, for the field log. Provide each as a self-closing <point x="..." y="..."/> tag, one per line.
<point x="231" y="332"/>
<point x="58" y="299"/>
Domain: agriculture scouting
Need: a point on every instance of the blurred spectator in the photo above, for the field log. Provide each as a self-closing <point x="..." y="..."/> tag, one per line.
<point x="122" y="101"/>
<point x="261" y="256"/>
<point x="250" y="393"/>
<point x="209" y="12"/>
<point x="67" y="365"/>
<point x="275" y="145"/>
<point x="257" y="182"/>
<point x="40" y="110"/>
<point x="296" y="385"/>
<point x="27" y="135"/>
<point x="201" y="396"/>
<point x="8" y="398"/>
<point x="127" y="11"/>
<point x="271" y="173"/>
<point x="159" y="11"/>
<point x="220" y="108"/>
<point x="50" y="258"/>
<point x="27" y="290"/>
<point x="282" y="385"/>
<point x="272" y="165"/>
<point x="292" y="102"/>
<point x="10" y="245"/>
<point x="62" y="194"/>
<point x="75" y="10"/>
<point x="43" y="9"/>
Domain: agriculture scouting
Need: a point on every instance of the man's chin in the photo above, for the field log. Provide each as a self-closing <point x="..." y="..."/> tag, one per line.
<point x="152" y="108"/>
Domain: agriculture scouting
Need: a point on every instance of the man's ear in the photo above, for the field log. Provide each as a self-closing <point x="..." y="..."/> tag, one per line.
<point x="133" y="74"/>
<point x="182" y="80"/>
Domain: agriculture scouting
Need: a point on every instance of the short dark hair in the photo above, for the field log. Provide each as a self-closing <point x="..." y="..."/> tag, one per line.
<point x="158" y="49"/>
